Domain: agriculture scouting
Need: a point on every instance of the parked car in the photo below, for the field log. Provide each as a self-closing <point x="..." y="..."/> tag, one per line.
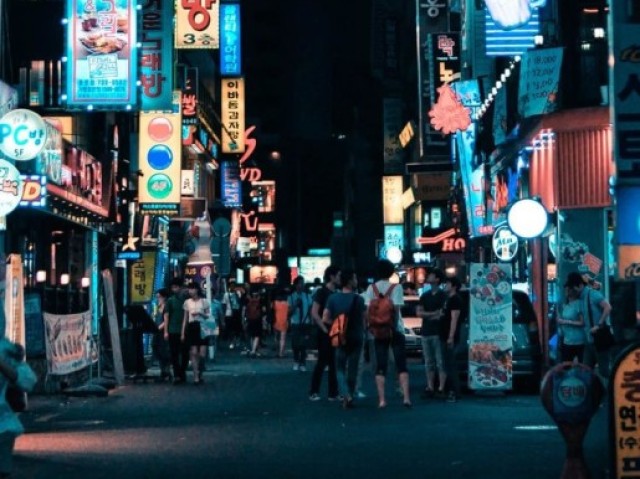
<point x="412" y="325"/>
<point x="526" y="351"/>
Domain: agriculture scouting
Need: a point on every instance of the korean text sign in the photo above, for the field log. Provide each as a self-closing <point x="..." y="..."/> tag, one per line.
<point x="197" y="24"/>
<point x="142" y="273"/>
<point x="233" y="115"/>
<point x="156" y="57"/>
<point x="625" y="415"/>
<point x="101" y="53"/>
<point x="230" y="46"/>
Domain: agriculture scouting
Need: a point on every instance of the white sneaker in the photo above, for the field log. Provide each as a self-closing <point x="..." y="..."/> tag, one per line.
<point x="231" y="346"/>
<point x="303" y="368"/>
<point x="296" y="367"/>
<point x="361" y="395"/>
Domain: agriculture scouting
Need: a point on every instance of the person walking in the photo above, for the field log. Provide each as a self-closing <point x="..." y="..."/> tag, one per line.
<point x="394" y="338"/>
<point x="596" y="310"/>
<point x="454" y="315"/>
<point x="571" y="323"/>
<point x="196" y="310"/>
<point x="160" y="345"/>
<point x="431" y="309"/>
<point x="281" y="320"/>
<point x="326" y="353"/>
<point x="254" y="311"/>
<point x="232" y="301"/>
<point x="299" y="302"/>
<point x="347" y="301"/>
<point x="173" y="317"/>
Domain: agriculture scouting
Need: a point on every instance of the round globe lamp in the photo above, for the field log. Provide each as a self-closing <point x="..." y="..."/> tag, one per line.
<point x="527" y="218"/>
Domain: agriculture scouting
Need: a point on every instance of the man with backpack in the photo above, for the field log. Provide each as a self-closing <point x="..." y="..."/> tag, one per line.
<point x="384" y="300"/>
<point x="345" y="309"/>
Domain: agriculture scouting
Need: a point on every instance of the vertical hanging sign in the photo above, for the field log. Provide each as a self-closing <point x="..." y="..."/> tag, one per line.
<point x="197" y="24"/>
<point x="156" y="59"/>
<point x="101" y="54"/>
<point x="160" y="163"/>
<point x="230" y="47"/>
<point x="233" y="120"/>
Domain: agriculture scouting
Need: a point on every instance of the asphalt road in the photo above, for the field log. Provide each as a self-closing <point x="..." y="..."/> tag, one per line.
<point x="252" y="419"/>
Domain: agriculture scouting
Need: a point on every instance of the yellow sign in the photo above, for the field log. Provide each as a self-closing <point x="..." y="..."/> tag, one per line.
<point x="198" y="24"/>
<point x="160" y="163"/>
<point x="232" y="115"/>
<point x="392" y="210"/>
<point x="626" y="413"/>
<point x="142" y="276"/>
<point x="14" y="301"/>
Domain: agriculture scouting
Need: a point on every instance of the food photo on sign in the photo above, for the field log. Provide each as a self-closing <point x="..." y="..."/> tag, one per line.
<point x="490" y="327"/>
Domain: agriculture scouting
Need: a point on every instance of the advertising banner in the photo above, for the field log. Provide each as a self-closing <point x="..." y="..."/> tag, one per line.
<point x="392" y="124"/>
<point x="156" y="57"/>
<point x="160" y="163"/>
<point x="230" y="40"/>
<point x="14" y="329"/>
<point x="392" y="189"/>
<point x="539" y="78"/>
<point x="189" y="103"/>
<point x="66" y="342"/>
<point x="101" y="53"/>
<point x="625" y="88"/>
<point x="142" y="278"/>
<point x="233" y="120"/>
<point x="197" y="24"/>
<point x="581" y="245"/>
<point x="472" y="174"/>
<point x="490" y="327"/>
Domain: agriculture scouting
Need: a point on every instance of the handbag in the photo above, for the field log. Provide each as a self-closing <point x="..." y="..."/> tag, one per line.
<point x="602" y="337"/>
<point x="16" y="398"/>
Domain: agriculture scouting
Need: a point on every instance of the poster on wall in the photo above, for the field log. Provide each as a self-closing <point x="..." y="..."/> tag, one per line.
<point x="66" y="342"/>
<point x="490" y="327"/>
<point x="579" y="249"/>
<point x="101" y="54"/>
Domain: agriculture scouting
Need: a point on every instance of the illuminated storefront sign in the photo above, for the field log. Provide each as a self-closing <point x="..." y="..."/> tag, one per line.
<point x="230" y="45"/>
<point x="23" y="134"/>
<point x="448" y="115"/>
<point x="189" y="103"/>
<point x="101" y="53"/>
<point x="10" y="188"/>
<point x="504" y="243"/>
<point x="156" y="57"/>
<point x="160" y="164"/>
<point x="232" y="116"/>
<point x="231" y="184"/>
<point x="625" y="86"/>
<point x="517" y="37"/>
<point x="142" y="272"/>
<point x="445" y="242"/>
<point x="628" y="215"/>
<point x="197" y="24"/>
<point x="392" y="189"/>
<point x="34" y="192"/>
<point x="49" y="160"/>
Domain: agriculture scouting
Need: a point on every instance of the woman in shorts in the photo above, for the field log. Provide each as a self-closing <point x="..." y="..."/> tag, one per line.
<point x="196" y="310"/>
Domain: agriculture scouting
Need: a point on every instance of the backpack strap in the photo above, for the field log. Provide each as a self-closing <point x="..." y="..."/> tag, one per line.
<point x="390" y="290"/>
<point x="375" y="290"/>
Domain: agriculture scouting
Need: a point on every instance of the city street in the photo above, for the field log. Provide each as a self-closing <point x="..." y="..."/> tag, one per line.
<point x="252" y="418"/>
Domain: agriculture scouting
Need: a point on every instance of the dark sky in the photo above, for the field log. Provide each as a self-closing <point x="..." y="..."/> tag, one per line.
<point x="306" y="64"/>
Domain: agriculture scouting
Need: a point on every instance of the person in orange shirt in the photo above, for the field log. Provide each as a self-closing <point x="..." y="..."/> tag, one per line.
<point x="281" y="319"/>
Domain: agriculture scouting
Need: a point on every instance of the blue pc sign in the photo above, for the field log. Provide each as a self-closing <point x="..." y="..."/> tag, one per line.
<point x="23" y="134"/>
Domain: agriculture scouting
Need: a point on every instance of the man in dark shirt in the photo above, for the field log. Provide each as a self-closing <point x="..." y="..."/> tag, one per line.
<point x="450" y="334"/>
<point x="174" y="314"/>
<point x="431" y="309"/>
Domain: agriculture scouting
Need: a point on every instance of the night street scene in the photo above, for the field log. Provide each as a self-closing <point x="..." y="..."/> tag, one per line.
<point x="320" y="239"/>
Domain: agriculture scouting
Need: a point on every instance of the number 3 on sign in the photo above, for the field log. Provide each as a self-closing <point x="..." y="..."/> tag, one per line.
<point x="199" y="17"/>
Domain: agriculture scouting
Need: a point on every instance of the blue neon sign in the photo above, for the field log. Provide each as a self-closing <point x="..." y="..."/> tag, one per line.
<point x="230" y="51"/>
